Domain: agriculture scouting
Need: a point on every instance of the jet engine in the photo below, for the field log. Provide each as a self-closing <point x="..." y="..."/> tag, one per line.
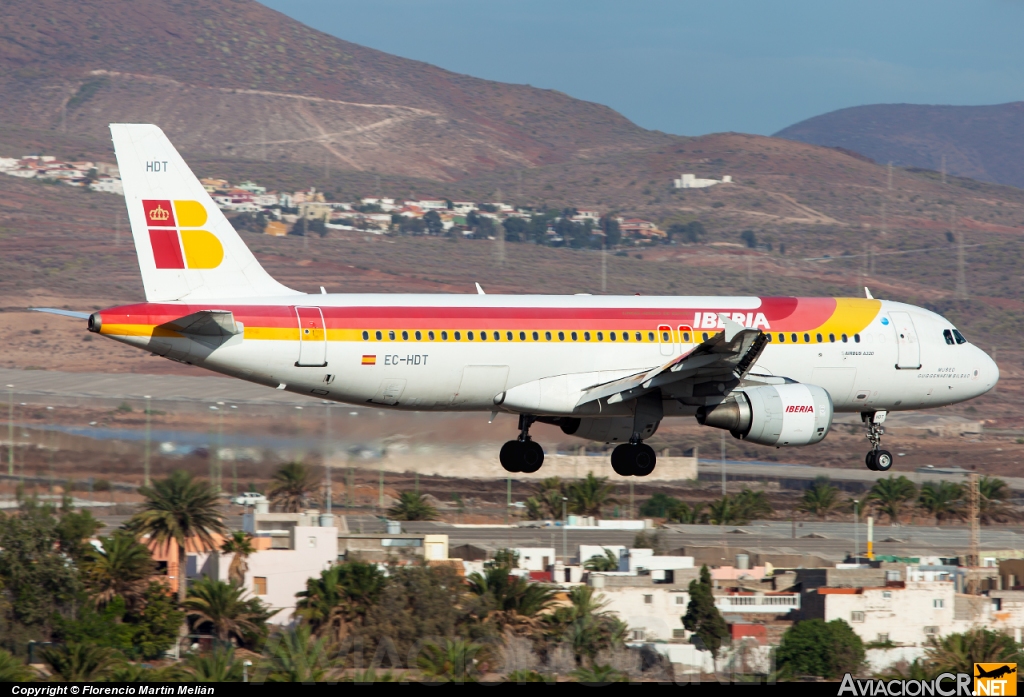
<point x="610" y="430"/>
<point x="791" y="414"/>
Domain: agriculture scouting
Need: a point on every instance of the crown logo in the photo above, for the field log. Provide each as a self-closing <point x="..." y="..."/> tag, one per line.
<point x="159" y="213"/>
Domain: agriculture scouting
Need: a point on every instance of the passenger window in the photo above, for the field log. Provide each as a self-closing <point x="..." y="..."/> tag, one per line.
<point x="430" y="335"/>
<point x="508" y="335"/>
<point x="483" y="336"/>
<point x="705" y="336"/>
<point x="625" y="336"/>
<point x="458" y="336"/>
<point x="612" y="336"/>
<point x="522" y="336"/>
<point x="845" y="339"/>
<point x="650" y="336"/>
<point x="586" y="336"/>
<point x="547" y="336"/>
<point x="665" y="337"/>
<point x="573" y="336"/>
<point x="832" y="338"/>
<point x="419" y="336"/>
<point x="639" y="336"/>
<point x="405" y="336"/>
<point x="769" y="337"/>
<point x="469" y="335"/>
<point x="782" y="338"/>
<point x="366" y="336"/>
<point x="391" y="335"/>
<point x="818" y="337"/>
<point x="856" y="338"/>
<point x="444" y="336"/>
<point x="497" y="336"/>
<point x="807" y="338"/>
<point x="600" y="336"/>
<point x="946" y="334"/>
<point x="793" y="337"/>
<point x="536" y="336"/>
<point x="686" y="337"/>
<point x="561" y="336"/>
<point x="959" y="337"/>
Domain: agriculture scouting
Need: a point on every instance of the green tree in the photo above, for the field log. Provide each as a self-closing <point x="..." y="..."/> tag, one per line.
<point x="412" y="505"/>
<point x="122" y="568"/>
<point x="516" y="229"/>
<point x="182" y="510"/>
<point x="599" y="675"/>
<point x="588" y="496"/>
<point x="13" y="670"/>
<point x="584" y="626"/>
<point x="682" y="512"/>
<point x="943" y="500"/>
<point x="507" y="558"/>
<point x="890" y="496"/>
<point x="659" y="505"/>
<point x="297" y="656"/>
<point x="218" y="665"/>
<point x="823" y="649"/>
<point x="134" y="672"/>
<point x="80" y="662"/>
<point x="689" y="233"/>
<point x="291" y="487"/>
<point x="503" y="600"/>
<point x="612" y="231"/>
<point x="155" y="622"/>
<point x="609" y="561"/>
<point x="239" y="544"/>
<point x="221" y="608"/>
<point x="433" y="222"/>
<point x="74" y="530"/>
<point x="753" y="504"/>
<point x="702" y="617"/>
<point x="993" y="496"/>
<point x="820" y="499"/>
<point x="957" y="653"/>
<point x="546" y="503"/>
<point x="450" y="660"/>
<point x="340" y="597"/>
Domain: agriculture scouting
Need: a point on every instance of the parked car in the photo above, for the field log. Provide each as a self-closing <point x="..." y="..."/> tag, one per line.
<point x="249" y="498"/>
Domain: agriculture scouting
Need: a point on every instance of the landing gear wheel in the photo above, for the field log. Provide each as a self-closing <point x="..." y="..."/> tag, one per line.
<point x="644" y="460"/>
<point x="883" y="460"/>
<point x="621" y="460"/>
<point x="633" y="460"/>
<point x="869" y="460"/>
<point x="532" y="457"/>
<point x="511" y="456"/>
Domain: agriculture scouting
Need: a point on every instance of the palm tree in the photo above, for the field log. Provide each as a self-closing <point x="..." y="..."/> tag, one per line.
<point x="820" y="499"/>
<point x="239" y="545"/>
<point x="681" y="512"/>
<point x="957" y="653"/>
<point x="452" y="660"/>
<point x="370" y="676"/>
<point x="609" y="561"/>
<point x="296" y="656"/>
<point x="340" y="597"/>
<point x="992" y="505"/>
<point x="219" y="665"/>
<point x="412" y="505"/>
<point x="221" y="607"/>
<point x="182" y="510"/>
<point x="724" y="511"/>
<point x="122" y="568"/>
<point x="508" y="601"/>
<point x="134" y="672"/>
<point x="291" y="486"/>
<point x="943" y="500"/>
<point x="13" y="670"/>
<point x="890" y="495"/>
<point x="584" y="624"/>
<point x="598" y="675"/>
<point x="74" y="662"/>
<point x="588" y="496"/>
<point x="546" y="504"/>
<point x="753" y="504"/>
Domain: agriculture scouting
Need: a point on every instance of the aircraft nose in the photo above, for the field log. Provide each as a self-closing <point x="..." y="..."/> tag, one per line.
<point x="988" y="372"/>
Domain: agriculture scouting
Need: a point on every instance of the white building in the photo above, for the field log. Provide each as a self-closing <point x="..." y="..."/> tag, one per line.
<point x="108" y="185"/>
<point x="691" y="181"/>
<point x="535" y="558"/>
<point x="653" y="613"/>
<point x="386" y="204"/>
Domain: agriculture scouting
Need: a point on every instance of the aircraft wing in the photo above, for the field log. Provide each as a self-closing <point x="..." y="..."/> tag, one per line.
<point x="729" y="354"/>
<point x="62" y="313"/>
<point x="206" y="323"/>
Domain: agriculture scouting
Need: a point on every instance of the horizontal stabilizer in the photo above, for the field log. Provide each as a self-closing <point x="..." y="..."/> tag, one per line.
<point x="208" y="323"/>
<point x="62" y="313"/>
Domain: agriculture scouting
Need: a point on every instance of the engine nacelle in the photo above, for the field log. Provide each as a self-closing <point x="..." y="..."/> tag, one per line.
<point x="792" y="414"/>
<point x="610" y="430"/>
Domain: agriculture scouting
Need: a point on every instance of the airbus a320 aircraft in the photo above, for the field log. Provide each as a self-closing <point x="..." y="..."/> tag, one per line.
<point x="771" y="371"/>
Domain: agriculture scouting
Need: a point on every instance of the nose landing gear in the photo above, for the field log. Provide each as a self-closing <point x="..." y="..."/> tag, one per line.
<point x="634" y="459"/>
<point x="522" y="454"/>
<point x="877" y="460"/>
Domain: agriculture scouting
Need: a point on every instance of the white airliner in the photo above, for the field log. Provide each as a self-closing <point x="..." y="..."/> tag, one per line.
<point x="771" y="371"/>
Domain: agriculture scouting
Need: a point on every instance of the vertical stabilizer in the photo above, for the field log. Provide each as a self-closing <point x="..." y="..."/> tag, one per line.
<point x="187" y="249"/>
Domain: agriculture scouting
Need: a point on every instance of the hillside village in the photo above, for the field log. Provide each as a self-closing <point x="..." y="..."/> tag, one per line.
<point x="309" y="212"/>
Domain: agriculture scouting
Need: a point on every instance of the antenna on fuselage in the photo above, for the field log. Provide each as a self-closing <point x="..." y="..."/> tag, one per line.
<point x="867" y="294"/>
<point x="479" y="290"/>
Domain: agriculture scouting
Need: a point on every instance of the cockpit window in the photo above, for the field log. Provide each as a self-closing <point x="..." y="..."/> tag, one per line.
<point x="959" y="337"/>
<point x="948" y="336"/>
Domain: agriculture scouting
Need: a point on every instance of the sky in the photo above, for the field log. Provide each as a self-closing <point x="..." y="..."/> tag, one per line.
<point x="691" y="68"/>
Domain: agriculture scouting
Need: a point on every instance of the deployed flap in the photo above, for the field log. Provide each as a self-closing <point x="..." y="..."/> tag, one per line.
<point x="206" y="323"/>
<point x="731" y="352"/>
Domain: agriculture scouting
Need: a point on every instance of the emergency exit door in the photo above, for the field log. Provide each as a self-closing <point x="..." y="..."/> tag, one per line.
<point x="312" y="337"/>
<point x="907" y="345"/>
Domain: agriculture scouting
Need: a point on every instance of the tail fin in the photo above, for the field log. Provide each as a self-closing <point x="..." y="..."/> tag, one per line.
<point x="187" y="249"/>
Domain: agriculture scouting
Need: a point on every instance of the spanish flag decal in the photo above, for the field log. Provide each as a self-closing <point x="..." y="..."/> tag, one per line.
<point x="369" y="360"/>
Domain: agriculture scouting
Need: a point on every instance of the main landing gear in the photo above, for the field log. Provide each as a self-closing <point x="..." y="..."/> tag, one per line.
<point x="522" y="454"/>
<point x="877" y="460"/>
<point x="634" y="459"/>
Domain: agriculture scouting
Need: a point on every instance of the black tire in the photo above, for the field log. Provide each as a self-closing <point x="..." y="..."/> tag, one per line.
<point x="883" y="461"/>
<point x="644" y="460"/>
<point x="532" y="457"/>
<point x="869" y="460"/>
<point x="622" y="460"/>
<point x="511" y="456"/>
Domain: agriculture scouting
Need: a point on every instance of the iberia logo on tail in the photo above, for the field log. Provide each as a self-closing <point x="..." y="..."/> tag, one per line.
<point x="176" y="240"/>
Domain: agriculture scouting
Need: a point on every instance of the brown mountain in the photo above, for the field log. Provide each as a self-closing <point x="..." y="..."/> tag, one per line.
<point x="234" y="79"/>
<point x="980" y="142"/>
